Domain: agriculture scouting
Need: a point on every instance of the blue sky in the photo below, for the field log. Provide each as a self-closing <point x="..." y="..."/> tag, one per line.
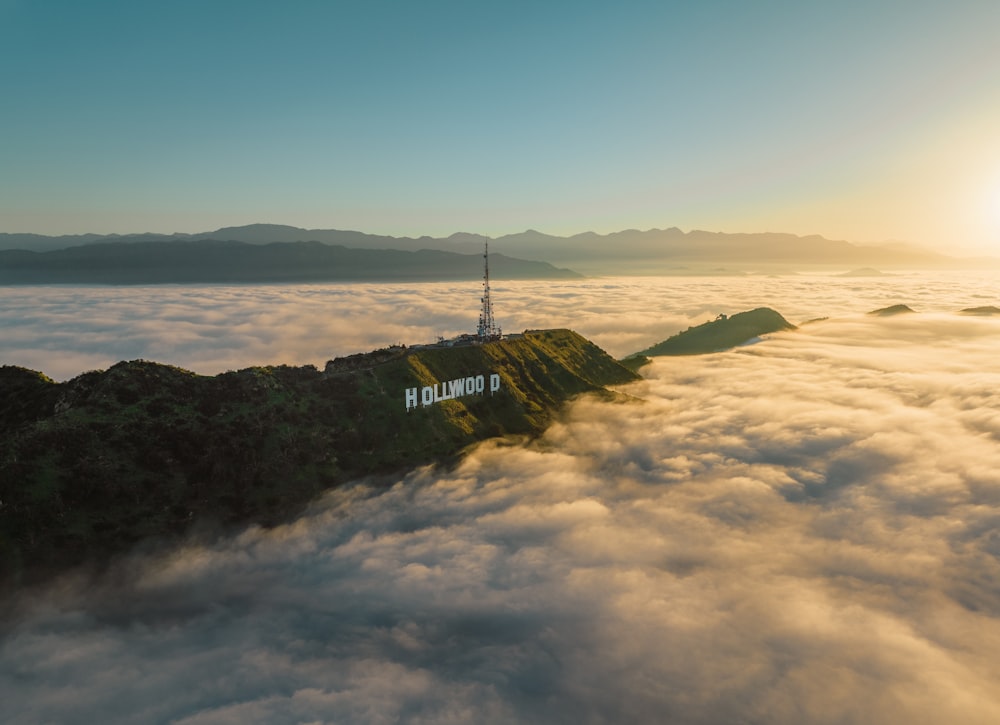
<point x="864" y="121"/>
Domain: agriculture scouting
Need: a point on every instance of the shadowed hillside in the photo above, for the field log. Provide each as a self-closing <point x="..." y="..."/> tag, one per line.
<point x="891" y="310"/>
<point x="721" y="334"/>
<point x="983" y="311"/>
<point x="91" y="466"/>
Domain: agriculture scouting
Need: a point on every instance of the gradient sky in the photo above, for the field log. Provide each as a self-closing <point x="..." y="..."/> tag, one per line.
<point x="864" y="121"/>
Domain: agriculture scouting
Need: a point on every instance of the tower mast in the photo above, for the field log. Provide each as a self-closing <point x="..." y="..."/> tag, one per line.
<point x="488" y="329"/>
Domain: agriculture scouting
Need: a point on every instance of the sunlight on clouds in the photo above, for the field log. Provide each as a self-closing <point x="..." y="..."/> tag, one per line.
<point x="64" y="331"/>
<point x="801" y="530"/>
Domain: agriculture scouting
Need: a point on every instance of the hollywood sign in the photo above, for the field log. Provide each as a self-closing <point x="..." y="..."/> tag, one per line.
<point x="450" y="390"/>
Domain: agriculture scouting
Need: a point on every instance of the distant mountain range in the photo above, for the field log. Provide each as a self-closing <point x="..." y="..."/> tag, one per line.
<point x="211" y="261"/>
<point x="626" y="252"/>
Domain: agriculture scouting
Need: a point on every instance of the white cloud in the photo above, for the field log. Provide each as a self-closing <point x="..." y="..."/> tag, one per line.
<point x="802" y="530"/>
<point x="64" y="331"/>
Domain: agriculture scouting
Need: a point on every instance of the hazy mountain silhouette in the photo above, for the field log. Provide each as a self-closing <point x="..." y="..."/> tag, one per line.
<point x="985" y="311"/>
<point x="157" y="262"/>
<point x="43" y="243"/>
<point x="663" y="249"/>
<point x="892" y="310"/>
<point x="864" y="272"/>
<point x="627" y="251"/>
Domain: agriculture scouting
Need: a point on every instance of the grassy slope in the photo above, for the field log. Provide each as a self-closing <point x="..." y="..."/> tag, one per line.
<point x="91" y="466"/>
<point x="721" y="334"/>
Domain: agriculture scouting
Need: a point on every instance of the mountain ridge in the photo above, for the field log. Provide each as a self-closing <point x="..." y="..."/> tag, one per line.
<point x="723" y="333"/>
<point x="627" y="251"/>
<point x="230" y="261"/>
<point x="92" y="466"/>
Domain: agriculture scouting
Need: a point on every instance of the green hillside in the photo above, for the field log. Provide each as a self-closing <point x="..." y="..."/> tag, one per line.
<point x="891" y="310"/>
<point x="984" y="311"/>
<point x="90" y="466"/>
<point x="721" y="333"/>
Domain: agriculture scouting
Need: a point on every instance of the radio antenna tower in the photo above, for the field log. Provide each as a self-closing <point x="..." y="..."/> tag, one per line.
<point x="488" y="329"/>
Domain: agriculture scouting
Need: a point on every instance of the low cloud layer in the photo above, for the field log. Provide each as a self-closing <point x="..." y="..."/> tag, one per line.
<point x="802" y="530"/>
<point x="64" y="331"/>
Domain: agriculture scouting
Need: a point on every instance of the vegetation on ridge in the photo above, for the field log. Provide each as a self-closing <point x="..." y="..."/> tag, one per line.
<point x="91" y="466"/>
<point x="891" y="310"/>
<point x="984" y="311"/>
<point x="720" y="334"/>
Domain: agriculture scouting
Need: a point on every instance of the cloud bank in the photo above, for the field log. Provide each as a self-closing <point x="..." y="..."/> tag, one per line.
<point x="803" y="530"/>
<point x="65" y="330"/>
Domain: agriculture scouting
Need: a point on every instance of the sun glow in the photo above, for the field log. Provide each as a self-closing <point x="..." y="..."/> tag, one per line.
<point x="994" y="205"/>
<point x="989" y="215"/>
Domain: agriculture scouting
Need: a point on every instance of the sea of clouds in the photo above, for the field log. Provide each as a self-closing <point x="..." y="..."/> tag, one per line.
<point x="66" y="330"/>
<point x="804" y="530"/>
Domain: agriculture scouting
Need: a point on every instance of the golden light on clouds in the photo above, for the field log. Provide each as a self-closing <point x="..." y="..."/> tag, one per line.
<point x="800" y="530"/>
